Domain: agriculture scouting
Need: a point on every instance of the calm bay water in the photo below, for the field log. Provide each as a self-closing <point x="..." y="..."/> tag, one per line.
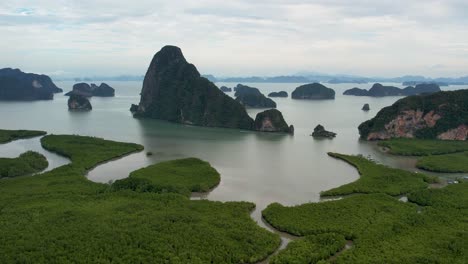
<point x="257" y="167"/>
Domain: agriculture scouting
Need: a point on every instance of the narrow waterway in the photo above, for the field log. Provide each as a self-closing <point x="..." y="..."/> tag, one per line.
<point x="120" y="168"/>
<point x="15" y="148"/>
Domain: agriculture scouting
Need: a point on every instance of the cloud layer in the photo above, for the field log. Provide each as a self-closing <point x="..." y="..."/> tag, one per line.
<point x="372" y="38"/>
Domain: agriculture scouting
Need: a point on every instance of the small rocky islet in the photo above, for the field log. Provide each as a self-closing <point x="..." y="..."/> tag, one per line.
<point x="225" y="89"/>
<point x="320" y="132"/>
<point x="272" y="121"/>
<point x="252" y="97"/>
<point x="133" y="108"/>
<point x="313" y="91"/>
<point x="278" y="94"/>
<point x="78" y="102"/>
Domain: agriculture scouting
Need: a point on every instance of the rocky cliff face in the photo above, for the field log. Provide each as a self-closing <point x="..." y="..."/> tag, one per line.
<point x="442" y="115"/>
<point x="252" y="97"/>
<point x="458" y="133"/>
<point x="406" y="124"/>
<point x="313" y="91"/>
<point x="173" y="90"/>
<point x="272" y="121"/>
<point x="17" y="85"/>
<point x="320" y="132"/>
<point x="79" y="103"/>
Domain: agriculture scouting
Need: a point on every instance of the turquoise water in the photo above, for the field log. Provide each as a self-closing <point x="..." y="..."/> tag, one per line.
<point x="257" y="167"/>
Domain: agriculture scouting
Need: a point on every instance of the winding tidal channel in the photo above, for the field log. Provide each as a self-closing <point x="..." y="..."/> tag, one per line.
<point x="120" y="168"/>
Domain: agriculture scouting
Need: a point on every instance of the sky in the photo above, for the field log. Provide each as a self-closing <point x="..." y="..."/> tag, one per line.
<point x="238" y="37"/>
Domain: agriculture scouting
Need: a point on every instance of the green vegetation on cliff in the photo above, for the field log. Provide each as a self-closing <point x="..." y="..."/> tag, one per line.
<point x="17" y="85"/>
<point x="10" y="135"/>
<point x="437" y="155"/>
<point x="252" y="97"/>
<point x="313" y="91"/>
<point x="59" y="217"/>
<point x="377" y="178"/>
<point x="27" y="163"/>
<point x="173" y="90"/>
<point x="449" y="105"/>
<point x="178" y="176"/>
<point x="383" y="229"/>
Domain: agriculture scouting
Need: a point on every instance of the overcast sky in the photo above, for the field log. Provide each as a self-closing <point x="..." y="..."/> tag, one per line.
<point x="245" y="37"/>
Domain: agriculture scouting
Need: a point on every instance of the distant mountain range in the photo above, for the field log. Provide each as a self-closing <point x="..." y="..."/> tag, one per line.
<point x="297" y="78"/>
<point x="406" y="80"/>
<point x="102" y="78"/>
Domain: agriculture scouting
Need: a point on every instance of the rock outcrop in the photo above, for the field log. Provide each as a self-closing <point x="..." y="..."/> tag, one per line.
<point x="272" y="121"/>
<point x="252" y="97"/>
<point x="84" y="89"/>
<point x="320" y="132"/>
<point x="423" y="88"/>
<point x="133" y="108"/>
<point x="173" y="90"/>
<point x="103" y="90"/>
<point x="79" y="103"/>
<point x="366" y="107"/>
<point x="278" y="94"/>
<point x="225" y="89"/>
<point x="313" y="91"/>
<point x="18" y="85"/>
<point x="379" y="90"/>
<point x="356" y="92"/>
<point x="442" y="115"/>
<point x="458" y="133"/>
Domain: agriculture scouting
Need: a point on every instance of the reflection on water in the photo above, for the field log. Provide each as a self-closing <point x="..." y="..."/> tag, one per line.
<point x="257" y="167"/>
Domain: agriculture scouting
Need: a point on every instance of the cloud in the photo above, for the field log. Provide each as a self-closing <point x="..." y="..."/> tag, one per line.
<point x="262" y="37"/>
<point x="24" y="11"/>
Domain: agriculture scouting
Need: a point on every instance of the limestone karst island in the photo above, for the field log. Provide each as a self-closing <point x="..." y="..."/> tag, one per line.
<point x="267" y="132"/>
